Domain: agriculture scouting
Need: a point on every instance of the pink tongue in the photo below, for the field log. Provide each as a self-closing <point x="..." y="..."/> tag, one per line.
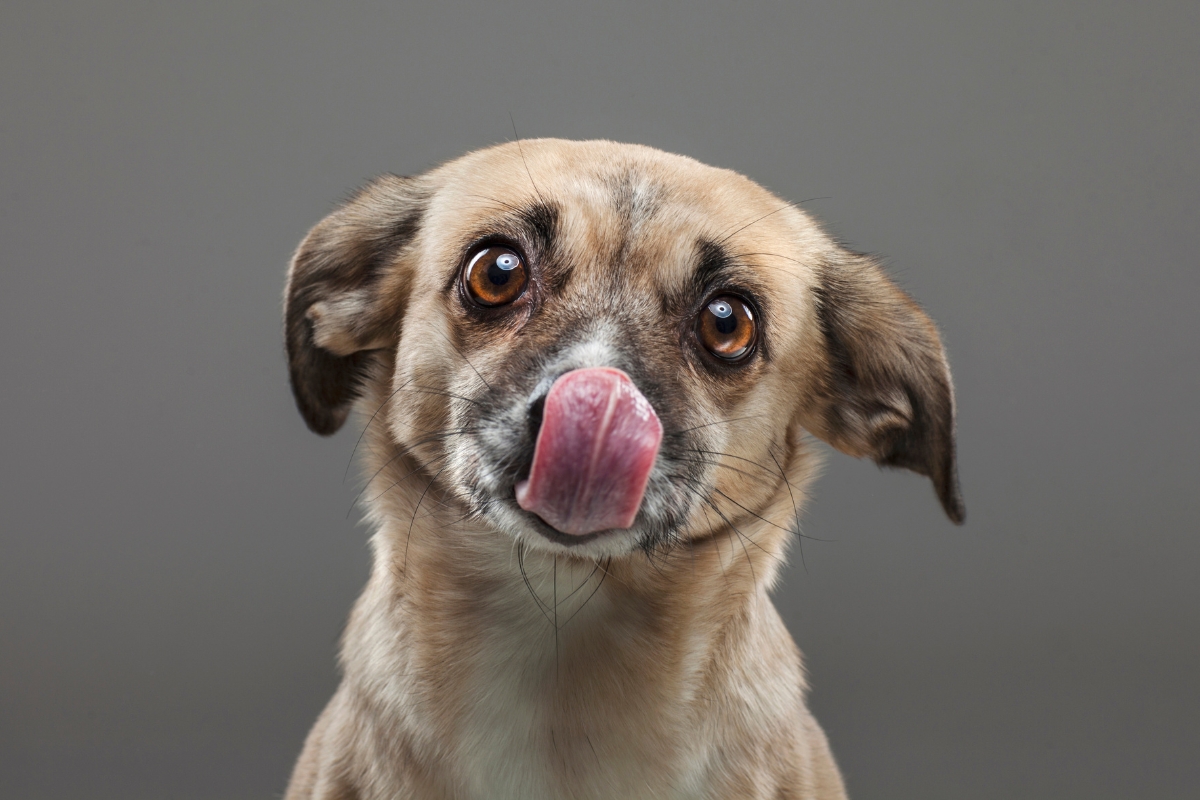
<point x="594" y="453"/>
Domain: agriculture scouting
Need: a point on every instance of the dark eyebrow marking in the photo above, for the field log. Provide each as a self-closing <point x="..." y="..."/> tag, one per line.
<point x="539" y="223"/>
<point x="540" y="220"/>
<point x="713" y="266"/>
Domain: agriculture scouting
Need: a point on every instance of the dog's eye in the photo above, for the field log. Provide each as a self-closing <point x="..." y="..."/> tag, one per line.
<point x="726" y="328"/>
<point x="495" y="276"/>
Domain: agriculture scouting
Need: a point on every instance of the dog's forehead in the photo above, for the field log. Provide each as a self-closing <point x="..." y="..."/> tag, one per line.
<point x="652" y="210"/>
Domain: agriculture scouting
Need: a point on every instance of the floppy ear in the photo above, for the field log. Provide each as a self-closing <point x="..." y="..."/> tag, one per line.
<point x="344" y="299"/>
<point x="886" y="391"/>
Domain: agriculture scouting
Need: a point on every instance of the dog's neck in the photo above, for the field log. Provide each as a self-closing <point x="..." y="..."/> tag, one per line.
<point x="450" y="571"/>
<point x="490" y="644"/>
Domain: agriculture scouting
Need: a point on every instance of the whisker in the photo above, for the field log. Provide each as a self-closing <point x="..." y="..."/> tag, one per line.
<point x="440" y="393"/>
<point x="742" y="537"/>
<point x="464" y="358"/>
<point x="521" y="150"/>
<point x="708" y="520"/>
<point x="467" y="515"/>
<point x="650" y="561"/>
<point x="753" y="514"/>
<point x="402" y="451"/>
<point x="765" y="469"/>
<point x="364" y="430"/>
<point x="411" y="522"/>
<point x="795" y="509"/>
<point x="496" y="200"/>
<point x="731" y="455"/>
<point x="567" y="597"/>
<point x="735" y="528"/>
<point x="556" y="665"/>
<point x="408" y="475"/>
<point x="711" y="463"/>
<point x="604" y="575"/>
<point x="525" y="576"/>
<point x="710" y="424"/>
<point x="785" y="206"/>
<point x="774" y="255"/>
<point x="440" y="505"/>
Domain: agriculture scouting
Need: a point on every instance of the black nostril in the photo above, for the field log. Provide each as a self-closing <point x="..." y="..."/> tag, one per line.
<point x="535" y="414"/>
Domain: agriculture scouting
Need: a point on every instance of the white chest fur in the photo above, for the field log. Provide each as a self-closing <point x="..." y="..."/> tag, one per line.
<point x="550" y="689"/>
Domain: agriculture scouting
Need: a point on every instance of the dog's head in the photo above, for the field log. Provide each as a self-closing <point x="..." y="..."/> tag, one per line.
<point x="658" y="332"/>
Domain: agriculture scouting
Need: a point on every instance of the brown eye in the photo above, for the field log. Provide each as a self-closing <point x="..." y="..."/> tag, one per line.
<point x="495" y="276"/>
<point x="726" y="328"/>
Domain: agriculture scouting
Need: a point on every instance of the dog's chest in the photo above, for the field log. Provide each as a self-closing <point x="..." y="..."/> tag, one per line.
<point x="577" y="715"/>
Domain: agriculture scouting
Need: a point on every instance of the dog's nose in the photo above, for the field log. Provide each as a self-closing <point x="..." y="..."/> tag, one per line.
<point x="596" y="448"/>
<point x="536" y="409"/>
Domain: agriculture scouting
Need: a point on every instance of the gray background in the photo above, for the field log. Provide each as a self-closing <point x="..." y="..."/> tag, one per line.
<point x="177" y="559"/>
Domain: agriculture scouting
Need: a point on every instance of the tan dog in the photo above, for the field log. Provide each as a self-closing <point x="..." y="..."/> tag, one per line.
<point x="588" y="372"/>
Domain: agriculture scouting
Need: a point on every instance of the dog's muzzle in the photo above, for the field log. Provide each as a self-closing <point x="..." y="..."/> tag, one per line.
<point x="596" y="446"/>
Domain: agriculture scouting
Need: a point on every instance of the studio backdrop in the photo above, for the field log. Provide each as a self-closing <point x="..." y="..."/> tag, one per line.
<point x="178" y="554"/>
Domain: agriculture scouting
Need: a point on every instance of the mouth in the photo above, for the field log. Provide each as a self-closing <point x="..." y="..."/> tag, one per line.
<point x="597" y="442"/>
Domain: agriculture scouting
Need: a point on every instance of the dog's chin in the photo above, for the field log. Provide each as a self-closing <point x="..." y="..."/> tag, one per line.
<point x="535" y="534"/>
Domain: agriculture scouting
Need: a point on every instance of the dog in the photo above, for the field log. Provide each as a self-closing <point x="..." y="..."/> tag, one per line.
<point x="591" y="376"/>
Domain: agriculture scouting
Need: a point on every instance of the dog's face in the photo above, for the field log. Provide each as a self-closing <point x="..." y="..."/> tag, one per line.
<point x="467" y="294"/>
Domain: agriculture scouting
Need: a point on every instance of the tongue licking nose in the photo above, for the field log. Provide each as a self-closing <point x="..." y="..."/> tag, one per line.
<point x="594" y="452"/>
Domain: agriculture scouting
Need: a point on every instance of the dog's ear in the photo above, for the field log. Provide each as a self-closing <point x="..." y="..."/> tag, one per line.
<point x="885" y="389"/>
<point x="344" y="298"/>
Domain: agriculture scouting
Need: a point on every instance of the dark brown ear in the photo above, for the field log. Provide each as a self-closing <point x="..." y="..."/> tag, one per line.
<point x="886" y="391"/>
<point x="343" y="300"/>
